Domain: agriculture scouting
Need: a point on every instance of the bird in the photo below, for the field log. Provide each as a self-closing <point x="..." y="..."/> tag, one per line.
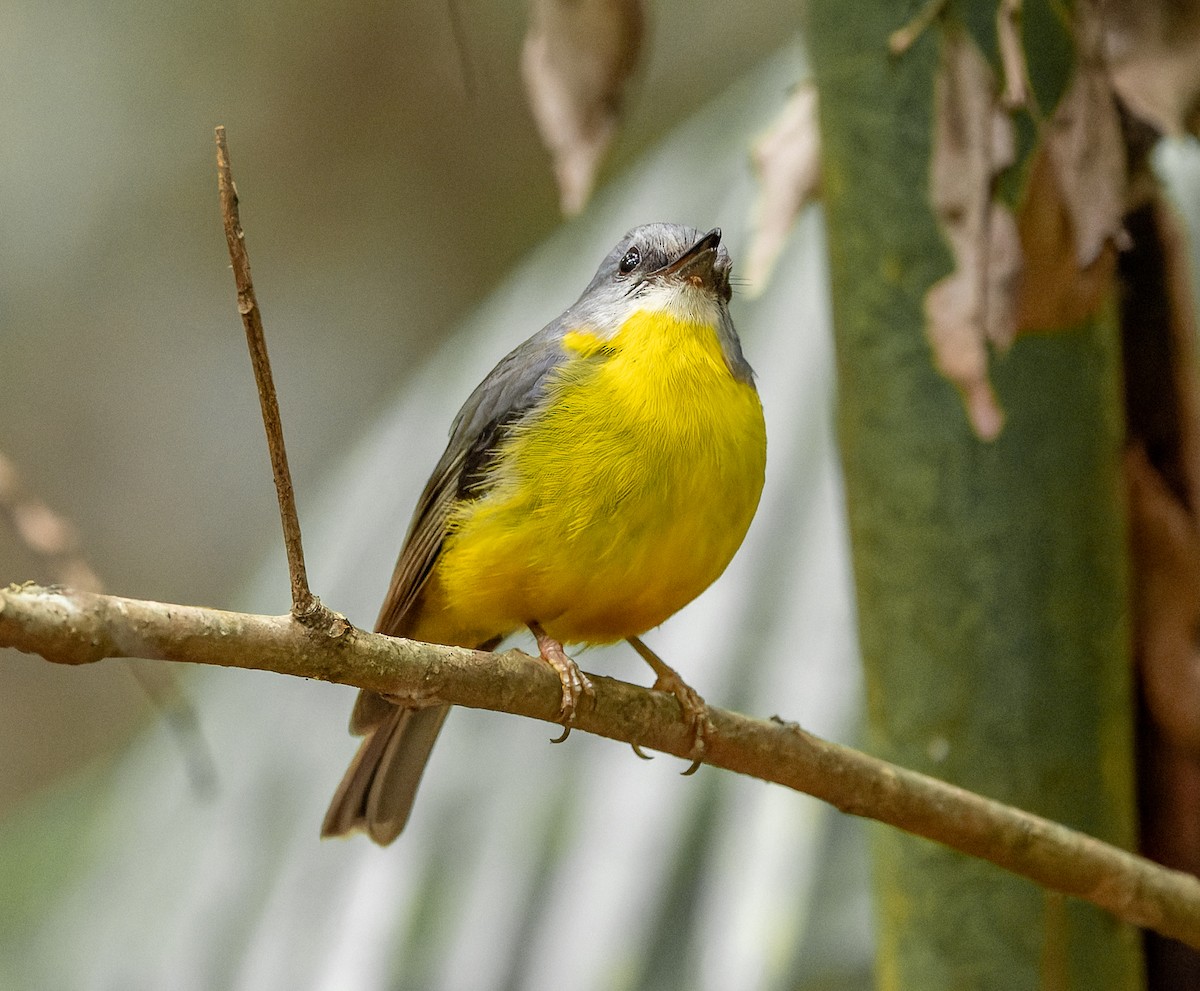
<point x="598" y="479"/>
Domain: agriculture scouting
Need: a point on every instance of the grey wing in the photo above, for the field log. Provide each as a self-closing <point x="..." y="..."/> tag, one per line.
<point x="509" y="391"/>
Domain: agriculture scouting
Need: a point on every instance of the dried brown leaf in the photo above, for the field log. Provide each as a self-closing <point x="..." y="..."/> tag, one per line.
<point x="1072" y="213"/>
<point x="46" y="533"/>
<point x="788" y="162"/>
<point x="577" y="58"/>
<point x="1055" y="293"/>
<point x="975" y="305"/>
<point x="1152" y="49"/>
<point x="43" y="529"/>
<point x="1088" y="152"/>
<point x="1166" y="553"/>
<point x="962" y="314"/>
<point x="1163" y="474"/>
<point x="1162" y="466"/>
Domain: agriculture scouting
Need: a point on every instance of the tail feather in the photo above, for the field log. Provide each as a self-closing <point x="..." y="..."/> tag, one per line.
<point x="376" y="794"/>
<point x="370" y="709"/>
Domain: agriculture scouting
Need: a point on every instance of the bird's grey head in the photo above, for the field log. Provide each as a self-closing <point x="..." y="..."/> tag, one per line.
<point x="657" y="266"/>
<point x="657" y="255"/>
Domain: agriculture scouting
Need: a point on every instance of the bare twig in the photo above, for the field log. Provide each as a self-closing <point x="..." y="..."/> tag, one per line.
<point x="304" y="603"/>
<point x="76" y="628"/>
<point x="903" y="38"/>
<point x="458" y="30"/>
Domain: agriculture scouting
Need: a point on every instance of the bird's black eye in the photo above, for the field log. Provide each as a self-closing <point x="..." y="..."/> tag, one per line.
<point x="629" y="261"/>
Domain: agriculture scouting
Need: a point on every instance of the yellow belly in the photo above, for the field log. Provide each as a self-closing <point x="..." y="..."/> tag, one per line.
<point x="620" y="504"/>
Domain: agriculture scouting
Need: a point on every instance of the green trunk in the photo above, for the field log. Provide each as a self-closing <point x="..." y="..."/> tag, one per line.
<point x="991" y="577"/>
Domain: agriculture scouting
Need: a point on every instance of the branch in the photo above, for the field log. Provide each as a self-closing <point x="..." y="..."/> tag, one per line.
<point x="305" y="605"/>
<point x="77" y="628"/>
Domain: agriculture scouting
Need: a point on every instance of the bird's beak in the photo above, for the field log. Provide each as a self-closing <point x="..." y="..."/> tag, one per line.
<point x="696" y="264"/>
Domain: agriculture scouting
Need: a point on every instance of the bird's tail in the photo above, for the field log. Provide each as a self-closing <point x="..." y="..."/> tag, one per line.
<point x="376" y="794"/>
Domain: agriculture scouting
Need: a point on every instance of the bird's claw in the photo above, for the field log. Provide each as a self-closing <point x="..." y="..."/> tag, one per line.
<point x="694" y="711"/>
<point x="692" y="707"/>
<point x="575" y="684"/>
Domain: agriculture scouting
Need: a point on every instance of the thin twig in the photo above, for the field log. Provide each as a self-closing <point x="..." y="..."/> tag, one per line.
<point x="903" y="38"/>
<point x="304" y="603"/>
<point x="77" y="628"/>
<point x="458" y="31"/>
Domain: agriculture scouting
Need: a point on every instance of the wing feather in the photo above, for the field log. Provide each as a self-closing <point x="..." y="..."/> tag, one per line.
<point x="506" y="394"/>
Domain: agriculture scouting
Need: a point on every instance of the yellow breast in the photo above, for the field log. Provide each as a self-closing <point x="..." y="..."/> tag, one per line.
<point x="618" y="504"/>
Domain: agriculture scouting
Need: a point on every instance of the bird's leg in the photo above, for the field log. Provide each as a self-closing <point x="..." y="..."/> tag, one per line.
<point x="575" y="683"/>
<point x="692" y="707"/>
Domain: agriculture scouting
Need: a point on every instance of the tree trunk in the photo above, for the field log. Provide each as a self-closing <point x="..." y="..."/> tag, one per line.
<point x="991" y="575"/>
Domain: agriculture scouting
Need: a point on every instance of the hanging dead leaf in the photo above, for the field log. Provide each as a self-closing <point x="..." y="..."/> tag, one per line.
<point x="975" y="305"/>
<point x="1088" y="152"/>
<point x="971" y="307"/>
<point x="1166" y="553"/>
<point x="1162" y="405"/>
<point x="1152" y="49"/>
<point x="1072" y="213"/>
<point x="1162" y="466"/>
<point x="1055" y="293"/>
<point x="50" y="536"/>
<point x="788" y="162"/>
<point x="43" y="529"/>
<point x="577" y="57"/>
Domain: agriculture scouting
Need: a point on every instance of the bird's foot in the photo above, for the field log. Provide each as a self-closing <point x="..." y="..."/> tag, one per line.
<point x="575" y="684"/>
<point x="692" y="706"/>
